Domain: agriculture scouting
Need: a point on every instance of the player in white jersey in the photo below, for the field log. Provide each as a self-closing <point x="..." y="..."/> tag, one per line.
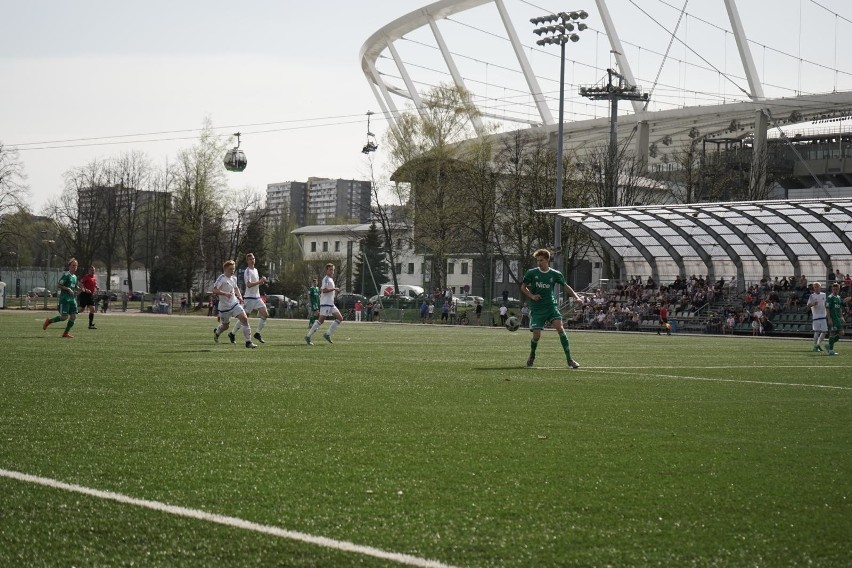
<point x="816" y="302"/>
<point x="251" y="299"/>
<point x="230" y="303"/>
<point x="327" y="307"/>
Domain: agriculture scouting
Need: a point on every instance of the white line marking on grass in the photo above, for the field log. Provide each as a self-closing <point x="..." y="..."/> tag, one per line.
<point x="342" y="545"/>
<point x="612" y="370"/>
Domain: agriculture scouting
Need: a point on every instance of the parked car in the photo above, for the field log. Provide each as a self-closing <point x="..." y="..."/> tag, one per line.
<point x="136" y="296"/>
<point x="113" y="295"/>
<point x="471" y="300"/>
<point x="510" y="302"/>
<point x="41" y="292"/>
<point x="400" y="300"/>
<point x="347" y="301"/>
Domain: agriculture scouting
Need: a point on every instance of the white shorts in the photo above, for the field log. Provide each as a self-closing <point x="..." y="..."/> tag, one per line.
<point x="252" y="304"/>
<point x="234" y="312"/>
<point x="820" y="325"/>
<point x="326" y="311"/>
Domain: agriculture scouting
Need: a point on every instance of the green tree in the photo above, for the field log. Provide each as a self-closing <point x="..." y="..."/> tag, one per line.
<point x="371" y="270"/>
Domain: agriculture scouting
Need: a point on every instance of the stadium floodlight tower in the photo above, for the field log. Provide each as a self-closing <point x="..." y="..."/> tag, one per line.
<point x="561" y="30"/>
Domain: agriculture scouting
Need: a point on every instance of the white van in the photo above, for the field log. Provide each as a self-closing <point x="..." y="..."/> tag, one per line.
<point x="404" y="289"/>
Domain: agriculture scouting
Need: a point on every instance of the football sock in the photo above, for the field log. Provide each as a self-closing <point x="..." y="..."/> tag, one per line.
<point x="246" y="331"/>
<point x="831" y="341"/>
<point x="69" y="325"/>
<point x="311" y="321"/>
<point x="533" y="347"/>
<point x="237" y="327"/>
<point x="261" y="324"/>
<point x="563" y="339"/>
<point x="91" y="318"/>
<point x="314" y="328"/>
<point x="333" y="326"/>
<point x="56" y="319"/>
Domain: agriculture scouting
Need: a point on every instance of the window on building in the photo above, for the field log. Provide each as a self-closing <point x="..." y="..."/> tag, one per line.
<point x="464" y="268"/>
<point x="399" y="268"/>
<point x="398" y="244"/>
<point x="313" y="246"/>
<point x="325" y="246"/>
<point x="451" y="267"/>
<point x="411" y="268"/>
<point x="336" y="246"/>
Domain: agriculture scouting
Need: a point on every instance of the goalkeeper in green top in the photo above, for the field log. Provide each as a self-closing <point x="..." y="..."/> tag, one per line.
<point x="834" y="308"/>
<point x="67" y="300"/>
<point x="314" y="295"/>
<point x="538" y="286"/>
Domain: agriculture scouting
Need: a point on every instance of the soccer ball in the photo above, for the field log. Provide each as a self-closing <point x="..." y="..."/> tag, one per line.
<point x="512" y="324"/>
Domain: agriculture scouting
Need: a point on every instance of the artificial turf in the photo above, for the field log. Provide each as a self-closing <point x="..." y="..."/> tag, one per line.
<point x="426" y="440"/>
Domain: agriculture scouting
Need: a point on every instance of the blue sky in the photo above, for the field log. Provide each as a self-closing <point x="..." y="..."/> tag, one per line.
<point x="286" y="73"/>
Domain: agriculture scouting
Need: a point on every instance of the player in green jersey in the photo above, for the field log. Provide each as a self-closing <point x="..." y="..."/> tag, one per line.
<point x="538" y="285"/>
<point x="67" y="300"/>
<point x="834" y="307"/>
<point x="314" y="295"/>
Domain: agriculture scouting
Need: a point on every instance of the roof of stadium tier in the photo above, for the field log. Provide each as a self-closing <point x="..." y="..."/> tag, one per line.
<point x="746" y="240"/>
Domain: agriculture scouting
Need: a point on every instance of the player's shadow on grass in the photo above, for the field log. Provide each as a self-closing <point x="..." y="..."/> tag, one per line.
<point x="503" y="368"/>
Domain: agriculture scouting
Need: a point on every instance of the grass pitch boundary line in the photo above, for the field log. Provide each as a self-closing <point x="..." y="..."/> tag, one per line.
<point x="234" y="522"/>
<point x="611" y="370"/>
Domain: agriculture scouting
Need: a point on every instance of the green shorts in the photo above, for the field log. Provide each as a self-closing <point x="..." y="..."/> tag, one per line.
<point x="541" y="317"/>
<point x="68" y="306"/>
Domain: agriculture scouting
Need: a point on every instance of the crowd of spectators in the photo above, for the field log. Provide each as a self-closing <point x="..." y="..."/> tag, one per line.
<point x="720" y="305"/>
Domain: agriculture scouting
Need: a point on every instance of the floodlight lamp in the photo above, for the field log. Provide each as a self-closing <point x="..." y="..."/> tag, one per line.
<point x="574" y="15"/>
<point x="583" y="14"/>
<point x="539" y="31"/>
<point x="581" y="26"/>
<point x="542" y="42"/>
<point x="575" y="38"/>
<point x="568" y="27"/>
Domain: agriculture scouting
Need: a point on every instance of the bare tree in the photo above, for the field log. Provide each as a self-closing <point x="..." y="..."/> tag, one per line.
<point x="425" y="148"/>
<point x="199" y="182"/>
<point x="527" y="169"/>
<point x="80" y="211"/>
<point x="133" y="171"/>
<point x="13" y="190"/>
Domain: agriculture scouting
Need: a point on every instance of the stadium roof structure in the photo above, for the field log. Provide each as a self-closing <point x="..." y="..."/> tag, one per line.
<point x="746" y="240"/>
<point x="674" y="127"/>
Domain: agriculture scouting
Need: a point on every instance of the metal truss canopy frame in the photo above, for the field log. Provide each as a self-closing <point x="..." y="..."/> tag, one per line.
<point x="747" y="241"/>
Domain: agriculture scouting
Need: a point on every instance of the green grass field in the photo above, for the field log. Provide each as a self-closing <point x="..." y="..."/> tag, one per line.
<point x="421" y="440"/>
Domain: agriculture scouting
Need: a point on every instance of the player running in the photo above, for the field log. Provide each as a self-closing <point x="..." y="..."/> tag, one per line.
<point x="252" y="300"/>
<point x="314" y="295"/>
<point x="538" y="286"/>
<point x="230" y="303"/>
<point x="327" y="307"/>
<point x="67" y="300"/>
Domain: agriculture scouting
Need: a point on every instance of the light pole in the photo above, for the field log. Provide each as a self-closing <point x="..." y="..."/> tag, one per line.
<point x="17" y="273"/>
<point x="47" y="243"/>
<point x="560" y="32"/>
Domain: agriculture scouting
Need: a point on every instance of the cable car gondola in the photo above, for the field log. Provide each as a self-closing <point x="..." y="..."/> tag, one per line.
<point x="235" y="159"/>
<point x="371" y="145"/>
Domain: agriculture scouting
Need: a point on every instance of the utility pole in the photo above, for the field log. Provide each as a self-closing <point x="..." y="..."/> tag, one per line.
<point x="613" y="93"/>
